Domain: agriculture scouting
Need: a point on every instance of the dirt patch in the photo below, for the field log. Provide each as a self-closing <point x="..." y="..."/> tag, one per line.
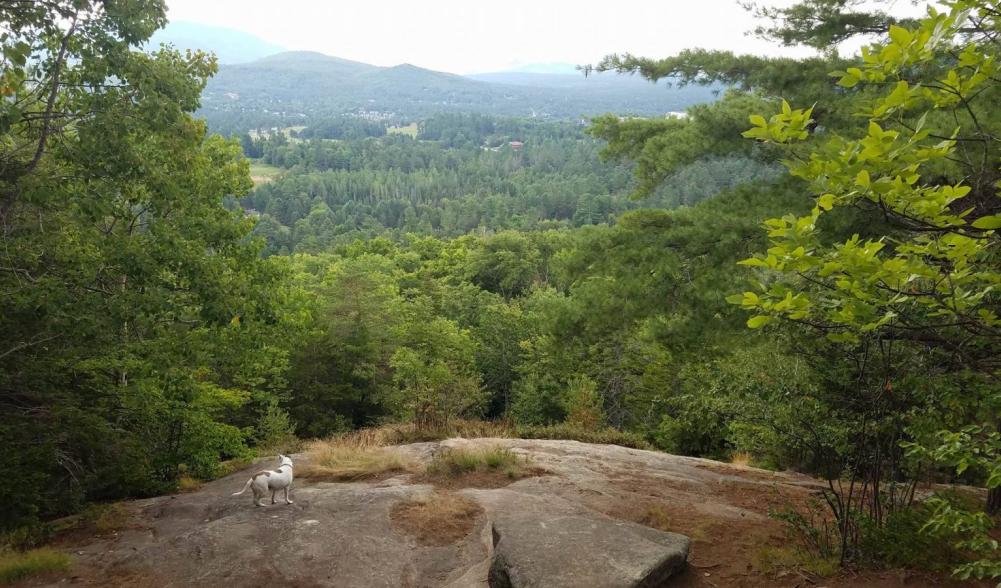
<point x="729" y="550"/>
<point x="763" y="498"/>
<point x="729" y="553"/>
<point x="439" y="519"/>
<point x="647" y="513"/>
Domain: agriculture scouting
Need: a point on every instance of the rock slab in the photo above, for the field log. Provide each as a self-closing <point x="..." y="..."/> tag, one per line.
<point x="536" y="532"/>
<point x="544" y="541"/>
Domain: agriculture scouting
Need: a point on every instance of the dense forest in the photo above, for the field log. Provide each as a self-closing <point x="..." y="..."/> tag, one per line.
<point x="460" y="174"/>
<point x="804" y="270"/>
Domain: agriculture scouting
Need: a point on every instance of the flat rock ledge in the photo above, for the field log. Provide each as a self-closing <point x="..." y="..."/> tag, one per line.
<point x="546" y="542"/>
<point x="535" y="532"/>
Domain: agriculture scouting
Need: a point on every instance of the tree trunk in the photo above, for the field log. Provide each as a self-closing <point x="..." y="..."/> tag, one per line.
<point x="994" y="494"/>
<point x="994" y="500"/>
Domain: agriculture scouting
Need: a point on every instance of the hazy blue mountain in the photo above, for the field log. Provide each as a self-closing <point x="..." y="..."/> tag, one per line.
<point x="593" y="81"/>
<point x="303" y="88"/>
<point x="546" y="68"/>
<point x="307" y="62"/>
<point x="229" y="45"/>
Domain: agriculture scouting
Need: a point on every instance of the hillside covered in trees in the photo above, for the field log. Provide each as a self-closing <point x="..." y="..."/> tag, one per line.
<point x="306" y="88"/>
<point x="460" y="174"/>
<point x="801" y="272"/>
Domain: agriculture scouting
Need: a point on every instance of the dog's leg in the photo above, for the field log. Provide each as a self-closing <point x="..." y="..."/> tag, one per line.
<point x="287" y="501"/>
<point x="273" y="496"/>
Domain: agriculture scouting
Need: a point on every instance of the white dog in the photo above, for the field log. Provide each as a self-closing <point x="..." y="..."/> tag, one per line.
<point x="273" y="480"/>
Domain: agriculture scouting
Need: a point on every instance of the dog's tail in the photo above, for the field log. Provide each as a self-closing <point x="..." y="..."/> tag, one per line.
<point x="245" y="486"/>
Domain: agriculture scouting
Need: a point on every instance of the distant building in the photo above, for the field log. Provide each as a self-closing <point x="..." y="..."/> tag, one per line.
<point x="516" y="145"/>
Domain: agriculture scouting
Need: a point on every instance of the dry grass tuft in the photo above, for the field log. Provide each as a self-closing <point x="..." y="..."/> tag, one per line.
<point x="187" y="483"/>
<point x="368" y="437"/>
<point x="773" y="560"/>
<point x="656" y="517"/>
<point x="741" y="459"/>
<point x="403" y="433"/>
<point x="18" y="565"/>
<point x="490" y="467"/>
<point x="649" y="514"/>
<point x="107" y="518"/>
<point x="438" y="519"/>
<point x="456" y="462"/>
<point x="353" y="457"/>
<point x="601" y="435"/>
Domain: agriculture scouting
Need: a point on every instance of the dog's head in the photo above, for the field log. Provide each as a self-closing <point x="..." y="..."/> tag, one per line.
<point x="284" y="460"/>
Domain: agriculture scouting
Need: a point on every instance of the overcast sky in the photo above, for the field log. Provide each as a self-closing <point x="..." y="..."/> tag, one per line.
<point x="467" y="36"/>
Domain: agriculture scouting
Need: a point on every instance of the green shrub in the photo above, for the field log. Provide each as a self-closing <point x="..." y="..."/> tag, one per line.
<point x="903" y="541"/>
<point x="275" y="432"/>
<point x="537" y="400"/>
<point x="758" y="399"/>
<point x="908" y="535"/>
<point x="18" y="565"/>
<point x="206" y="445"/>
<point x="583" y="404"/>
<point x="811" y="531"/>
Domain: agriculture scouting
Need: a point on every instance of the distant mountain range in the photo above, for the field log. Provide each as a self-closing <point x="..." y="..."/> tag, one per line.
<point x="229" y="45"/>
<point x="545" y="68"/>
<point x="595" y="82"/>
<point x="300" y="88"/>
<point x="260" y="85"/>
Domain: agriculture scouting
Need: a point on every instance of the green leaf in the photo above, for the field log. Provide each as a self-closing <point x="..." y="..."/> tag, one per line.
<point x="988" y="222"/>
<point x="848" y="81"/>
<point x="735" y="299"/>
<point x="842" y="337"/>
<point x="753" y="262"/>
<point x="756" y="322"/>
<point x="994" y="480"/>
<point x="900" y="35"/>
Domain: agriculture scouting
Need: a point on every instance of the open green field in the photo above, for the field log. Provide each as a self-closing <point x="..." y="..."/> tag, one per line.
<point x="410" y="129"/>
<point x="262" y="173"/>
